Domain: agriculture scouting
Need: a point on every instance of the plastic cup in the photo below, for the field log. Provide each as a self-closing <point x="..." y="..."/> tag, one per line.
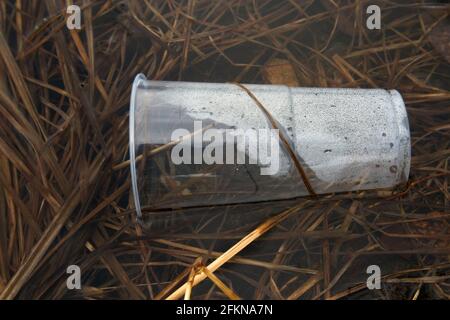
<point x="202" y="144"/>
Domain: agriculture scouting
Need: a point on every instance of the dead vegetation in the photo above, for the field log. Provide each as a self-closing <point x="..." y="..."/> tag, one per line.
<point x="64" y="178"/>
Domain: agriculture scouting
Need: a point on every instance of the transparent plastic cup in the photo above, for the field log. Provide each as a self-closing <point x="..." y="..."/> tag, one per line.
<point x="203" y="144"/>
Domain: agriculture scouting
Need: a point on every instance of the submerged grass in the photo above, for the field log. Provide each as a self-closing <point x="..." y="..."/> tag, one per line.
<point x="64" y="178"/>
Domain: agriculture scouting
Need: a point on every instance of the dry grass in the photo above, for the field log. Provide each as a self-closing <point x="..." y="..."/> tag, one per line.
<point x="64" y="178"/>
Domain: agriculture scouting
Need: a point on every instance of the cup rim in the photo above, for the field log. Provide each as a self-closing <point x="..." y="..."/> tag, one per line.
<point x="137" y="81"/>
